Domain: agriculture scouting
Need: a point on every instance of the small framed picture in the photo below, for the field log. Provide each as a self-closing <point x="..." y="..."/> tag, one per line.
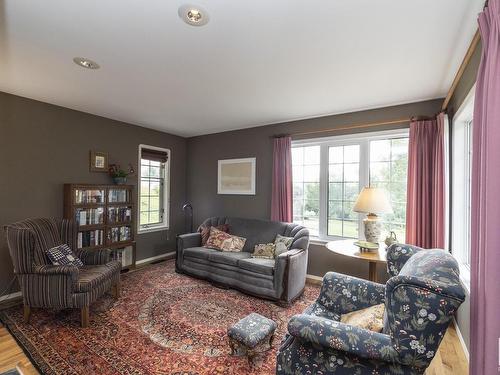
<point x="236" y="176"/>
<point x="98" y="161"/>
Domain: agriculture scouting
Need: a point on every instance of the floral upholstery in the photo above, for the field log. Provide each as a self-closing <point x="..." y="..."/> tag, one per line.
<point x="252" y="330"/>
<point x="420" y="301"/>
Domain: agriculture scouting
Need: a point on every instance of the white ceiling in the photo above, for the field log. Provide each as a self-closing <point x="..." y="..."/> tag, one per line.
<point x="256" y="62"/>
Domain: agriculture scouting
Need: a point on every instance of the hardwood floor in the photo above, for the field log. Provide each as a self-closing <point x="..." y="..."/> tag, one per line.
<point x="11" y="355"/>
<point x="450" y="359"/>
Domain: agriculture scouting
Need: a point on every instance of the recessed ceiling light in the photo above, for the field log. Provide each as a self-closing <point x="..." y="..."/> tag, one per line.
<point x="193" y="15"/>
<point x="86" y="63"/>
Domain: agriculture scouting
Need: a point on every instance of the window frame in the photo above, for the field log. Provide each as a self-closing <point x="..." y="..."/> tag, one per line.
<point x="164" y="200"/>
<point x="460" y="213"/>
<point x="361" y="139"/>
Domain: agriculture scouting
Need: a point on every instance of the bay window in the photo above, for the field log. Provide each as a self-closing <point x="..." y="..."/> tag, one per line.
<point x="329" y="173"/>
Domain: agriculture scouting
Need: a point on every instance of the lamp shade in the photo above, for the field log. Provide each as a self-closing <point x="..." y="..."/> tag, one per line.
<point x="373" y="200"/>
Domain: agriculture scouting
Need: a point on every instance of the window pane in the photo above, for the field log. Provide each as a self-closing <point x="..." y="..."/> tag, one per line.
<point x="380" y="171"/>
<point x="335" y="209"/>
<point x="351" y="191"/>
<point x="145" y="203"/>
<point x="297" y="155"/>
<point x="297" y="173"/>
<point x="334" y="227"/>
<point x="380" y="150"/>
<point x="336" y="172"/>
<point x="351" y="229"/>
<point x="144" y="170"/>
<point x="349" y="214"/>
<point x="144" y="218"/>
<point x="311" y="173"/>
<point x="336" y="155"/>
<point x="154" y="203"/>
<point x="335" y="191"/>
<point x="399" y="148"/>
<point x="297" y="207"/>
<point x="298" y="191"/>
<point x="154" y="217"/>
<point x="144" y="186"/>
<point x="311" y="191"/>
<point x="154" y="172"/>
<point x="351" y="172"/>
<point x="154" y="189"/>
<point x="351" y="154"/>
<point x="311" y="155"/>
<point x="388" y="170"/>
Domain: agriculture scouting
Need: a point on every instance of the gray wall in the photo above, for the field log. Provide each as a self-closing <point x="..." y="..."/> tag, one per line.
<point x="463" y="88"/>
<point x="204" y="151"/>
<point x="43" y="146"/>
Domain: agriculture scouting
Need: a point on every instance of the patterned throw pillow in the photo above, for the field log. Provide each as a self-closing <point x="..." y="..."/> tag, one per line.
<point x="371" y="318"/>
<point x="62" y="255"/>
<point x="282" y="244"/>
<point x="223" y="241"/>
<point x="205" y="232"/>
<point x="264" y="250"/>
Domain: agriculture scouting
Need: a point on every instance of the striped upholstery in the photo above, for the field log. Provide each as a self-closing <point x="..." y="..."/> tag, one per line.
<point x="46" y="285"/>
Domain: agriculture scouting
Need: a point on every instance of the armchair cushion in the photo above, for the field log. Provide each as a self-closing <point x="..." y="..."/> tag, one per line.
<point x="344" y="294"/>
<point x="371" y="318"/>
<point x="91" y="277"/>
<point x="339" y="336"/>
<point x="95" y="257"/>
<point x="62" y="255"/>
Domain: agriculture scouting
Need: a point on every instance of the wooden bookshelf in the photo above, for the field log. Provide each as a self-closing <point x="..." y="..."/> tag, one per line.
<point x="106" y="218"/>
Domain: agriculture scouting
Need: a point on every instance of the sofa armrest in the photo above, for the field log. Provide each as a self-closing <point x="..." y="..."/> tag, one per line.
<point x="343" y="294"/>
<point x="290" y="274"/>
<point x="185" y="241"/>
<point x="95" y="257"/>
<point x="342" y="337"/>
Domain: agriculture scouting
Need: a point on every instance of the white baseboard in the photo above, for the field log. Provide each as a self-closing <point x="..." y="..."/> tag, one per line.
<point x="8" y="297"/>
<point x="157" y="257"/>
<point x="461" y="338"/>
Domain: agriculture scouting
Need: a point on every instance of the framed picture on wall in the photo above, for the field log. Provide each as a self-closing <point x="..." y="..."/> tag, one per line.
<point x="236" y="176"/>
<point x="98" y="161"/>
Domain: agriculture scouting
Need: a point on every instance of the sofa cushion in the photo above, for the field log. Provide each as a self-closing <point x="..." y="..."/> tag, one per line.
<point x="205" y="232"/>
<point x="230" y="258"/>
<point x="198" y="252"/>
<point x="258" y="265"/>
<point x="89" y="277"/>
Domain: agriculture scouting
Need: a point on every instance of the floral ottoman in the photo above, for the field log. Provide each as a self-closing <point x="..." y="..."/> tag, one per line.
<point x="251" y="336"/>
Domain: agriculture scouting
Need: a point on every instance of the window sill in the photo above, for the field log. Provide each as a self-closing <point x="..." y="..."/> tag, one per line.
<point x="152" y="229"/>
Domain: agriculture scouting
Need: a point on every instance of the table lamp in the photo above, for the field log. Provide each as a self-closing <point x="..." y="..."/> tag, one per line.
<point x="373" y="201"/>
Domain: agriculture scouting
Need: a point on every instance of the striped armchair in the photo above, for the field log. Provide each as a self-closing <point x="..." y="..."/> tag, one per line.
<point x="48" y="286"/>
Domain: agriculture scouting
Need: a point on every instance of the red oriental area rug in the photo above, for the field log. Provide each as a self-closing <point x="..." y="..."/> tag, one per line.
<point x="164" y="323"/>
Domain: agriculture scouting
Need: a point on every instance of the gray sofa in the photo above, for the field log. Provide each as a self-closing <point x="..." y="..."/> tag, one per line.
<point x="281" y="279"/>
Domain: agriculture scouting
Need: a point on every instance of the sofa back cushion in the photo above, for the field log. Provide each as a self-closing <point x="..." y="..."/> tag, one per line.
<point x="258" y="231"/>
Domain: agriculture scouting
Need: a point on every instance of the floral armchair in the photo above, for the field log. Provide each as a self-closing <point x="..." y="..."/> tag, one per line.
<point x="420" y="300"/>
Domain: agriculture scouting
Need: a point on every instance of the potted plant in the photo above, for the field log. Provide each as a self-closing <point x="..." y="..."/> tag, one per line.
<point x="120" y="175"/>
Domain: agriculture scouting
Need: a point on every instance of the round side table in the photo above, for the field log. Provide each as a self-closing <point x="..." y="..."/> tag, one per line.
<point x="348" y="249"/>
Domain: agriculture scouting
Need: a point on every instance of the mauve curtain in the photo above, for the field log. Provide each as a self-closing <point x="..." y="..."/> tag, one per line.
<point x="425" y="207"/>
<point x="281" y="203"/>
<point x="485" y="223"/>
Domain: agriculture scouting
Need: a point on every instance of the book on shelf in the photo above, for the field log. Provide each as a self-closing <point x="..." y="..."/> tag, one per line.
<point x="89" y="216"/>
<point x="90" y="238"/>
<point x="89" y="196"/>
<point x="117" y="195"/>
<point x="119" y="234"/>
<point x="119" y="214"/>
<point x="123" y="255"/>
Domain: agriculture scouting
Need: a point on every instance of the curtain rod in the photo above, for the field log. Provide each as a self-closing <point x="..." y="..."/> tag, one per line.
<point x="355" y="126"/>
<point x="461" y="70"/>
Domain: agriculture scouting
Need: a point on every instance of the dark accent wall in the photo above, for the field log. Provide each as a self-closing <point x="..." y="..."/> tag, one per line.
<point x="205" y="151"/>
<point x="43" y="146"/>
<point x="463" y="88"/>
